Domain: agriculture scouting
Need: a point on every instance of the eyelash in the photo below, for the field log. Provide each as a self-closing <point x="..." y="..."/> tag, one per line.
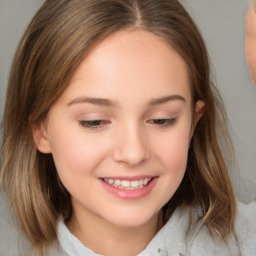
<point x="98" y="123"/>
<point x="93" y="124"/>
<point x="163" y="122"/>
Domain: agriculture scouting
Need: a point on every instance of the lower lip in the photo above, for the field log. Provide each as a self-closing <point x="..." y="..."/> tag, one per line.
<point x="130" y="194"/>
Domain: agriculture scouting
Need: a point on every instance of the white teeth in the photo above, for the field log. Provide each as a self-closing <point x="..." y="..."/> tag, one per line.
<point x="110" y="181"/>
<point x="117" y="182"/>
<point x="135" y="183"/>
<point x="145" y="182"/>
<point x="126" y="184"/>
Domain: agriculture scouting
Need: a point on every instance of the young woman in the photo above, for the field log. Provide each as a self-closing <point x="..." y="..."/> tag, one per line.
<point x="109" y="135"/>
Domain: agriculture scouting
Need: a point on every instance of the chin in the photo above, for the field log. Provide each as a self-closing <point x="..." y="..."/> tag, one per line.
<point x="132" y="220"/>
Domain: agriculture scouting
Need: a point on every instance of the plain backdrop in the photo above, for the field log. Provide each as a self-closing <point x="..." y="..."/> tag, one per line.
<point x="222" y="26"/>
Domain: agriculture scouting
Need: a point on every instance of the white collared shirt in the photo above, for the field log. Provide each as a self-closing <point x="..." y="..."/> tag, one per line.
<point x="177" y="238"/>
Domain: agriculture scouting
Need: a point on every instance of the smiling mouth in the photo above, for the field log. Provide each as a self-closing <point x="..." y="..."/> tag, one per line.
<point x="128" y="184"/>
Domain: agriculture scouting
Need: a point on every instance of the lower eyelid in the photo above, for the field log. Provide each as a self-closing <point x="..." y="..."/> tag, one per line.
<point x="166" y="121"/>
<point x="97" y="123"/>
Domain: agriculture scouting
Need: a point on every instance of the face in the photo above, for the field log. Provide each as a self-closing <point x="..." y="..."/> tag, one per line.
<point x="250" y="42"/>
<point x="120" y="133"/>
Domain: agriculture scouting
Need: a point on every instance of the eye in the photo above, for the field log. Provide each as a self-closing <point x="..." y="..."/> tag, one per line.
<point x="93" y="124"/>
<point x="163" y="122"/>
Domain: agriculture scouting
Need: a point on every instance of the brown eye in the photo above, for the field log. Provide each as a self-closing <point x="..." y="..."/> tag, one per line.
<point x="93" y="123"/>
<point x="165" y="122"/>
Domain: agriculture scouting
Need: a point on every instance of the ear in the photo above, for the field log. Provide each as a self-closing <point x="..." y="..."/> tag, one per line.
<point x="198" y="113"/>
<point x="40" y="137"/>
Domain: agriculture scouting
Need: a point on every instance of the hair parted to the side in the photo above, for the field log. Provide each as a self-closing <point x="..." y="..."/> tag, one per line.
<point x="58" y="38"/>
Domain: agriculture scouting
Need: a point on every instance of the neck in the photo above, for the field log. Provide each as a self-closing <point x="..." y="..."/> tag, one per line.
<point x="106" y="239"/>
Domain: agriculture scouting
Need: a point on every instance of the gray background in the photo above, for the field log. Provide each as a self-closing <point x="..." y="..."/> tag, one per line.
<point x="222" y="25"/>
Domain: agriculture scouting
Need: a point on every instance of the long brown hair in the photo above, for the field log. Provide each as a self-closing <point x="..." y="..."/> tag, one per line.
<point x="58" y="38"/>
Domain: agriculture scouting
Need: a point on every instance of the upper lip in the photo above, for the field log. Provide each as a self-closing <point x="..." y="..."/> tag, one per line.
<point x="130" y="178"/>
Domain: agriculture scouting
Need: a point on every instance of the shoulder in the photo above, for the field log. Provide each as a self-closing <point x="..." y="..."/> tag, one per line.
<point x="245" y="228"/>
<point x="246" y="214"/>
<point x="55" y="250"/>
<point x="186" y="234"/>
<point x="241" y="242"/>
<point x="201" y="242"/>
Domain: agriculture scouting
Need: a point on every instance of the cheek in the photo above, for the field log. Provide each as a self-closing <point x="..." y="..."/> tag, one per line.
<point x="175" y="157"/>
<point x="75" y="156"/>
<point x="173" y="150"/>
<point x="173" y="153"/>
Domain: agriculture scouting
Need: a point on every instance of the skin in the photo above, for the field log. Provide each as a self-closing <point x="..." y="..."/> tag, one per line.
<point x="250" y="42"/>
<point x="132" y="70"/>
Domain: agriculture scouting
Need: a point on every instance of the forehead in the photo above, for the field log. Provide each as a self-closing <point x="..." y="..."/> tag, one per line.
<point x="129" y="62"/>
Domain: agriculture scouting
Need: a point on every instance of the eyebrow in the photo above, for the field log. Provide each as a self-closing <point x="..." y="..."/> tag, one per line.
<point x="110" y="103"/>
<point x="94" y="101"/>
<point x="163" y="100"/>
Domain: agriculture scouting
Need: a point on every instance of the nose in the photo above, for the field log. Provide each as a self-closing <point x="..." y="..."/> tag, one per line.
<point x="131" y="146"/>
